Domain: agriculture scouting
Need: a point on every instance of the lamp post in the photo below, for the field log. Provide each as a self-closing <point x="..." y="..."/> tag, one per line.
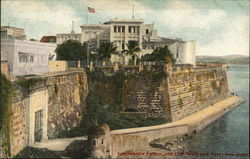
<point x="88" y="50"/>
<point x="88" y="54"/>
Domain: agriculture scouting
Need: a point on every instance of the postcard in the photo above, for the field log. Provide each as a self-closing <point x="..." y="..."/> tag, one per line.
<point x="124" y="79"/>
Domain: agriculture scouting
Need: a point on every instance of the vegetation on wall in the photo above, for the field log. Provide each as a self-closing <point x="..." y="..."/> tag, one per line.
<point x="5" y="112"/>
<point x="180" y="102"/>
<point x="27" y="83"/>
<point x="56" y="88"/>
<point x="216" y="86"/>
<point x="98" y="112"/>
<point x="147" y="75"/>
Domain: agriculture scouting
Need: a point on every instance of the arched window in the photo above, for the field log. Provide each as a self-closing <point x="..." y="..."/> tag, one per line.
<point x="23" y="59"/>
<point x="94" y="142"/>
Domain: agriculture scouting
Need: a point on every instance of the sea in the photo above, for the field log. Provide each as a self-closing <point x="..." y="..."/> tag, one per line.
<point x="228" y="137"/>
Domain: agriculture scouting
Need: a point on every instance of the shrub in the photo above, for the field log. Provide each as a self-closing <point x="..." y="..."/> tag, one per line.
<point x="5" y="112"/>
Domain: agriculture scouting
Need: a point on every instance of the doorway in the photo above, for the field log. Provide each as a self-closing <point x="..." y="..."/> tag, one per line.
<point x="38" y="126"/>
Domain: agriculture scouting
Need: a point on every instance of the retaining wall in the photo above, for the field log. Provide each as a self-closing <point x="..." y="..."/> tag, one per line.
<point x="191" y="91"/>
<point x="125" y="140"/>
<point x="130" y="139"/>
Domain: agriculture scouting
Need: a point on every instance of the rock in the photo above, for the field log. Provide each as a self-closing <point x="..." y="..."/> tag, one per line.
<point x="156" y="145"/>
<point x="167" y="147"/>
<point x="181" y="139"/>
<point x="174" y="148"/>
<point x="179" y="147"/>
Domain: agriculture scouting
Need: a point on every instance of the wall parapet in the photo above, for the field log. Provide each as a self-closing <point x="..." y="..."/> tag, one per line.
<point x="153" y="66"/>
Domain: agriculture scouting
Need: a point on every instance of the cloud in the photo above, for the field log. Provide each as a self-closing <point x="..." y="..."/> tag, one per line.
<point x="122" y="9"/>
<point x="191" y="17"/>
<point x="178" y="4"/>
<point x="217" y="30"/>
<point x="234" y="39"/>
<point x="57" y="18"/>
<point x="115" y="5"/>
<point x="39" y="11"/>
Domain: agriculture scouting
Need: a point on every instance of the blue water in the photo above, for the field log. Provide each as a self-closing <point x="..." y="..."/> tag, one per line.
<point x="229" y="134"/>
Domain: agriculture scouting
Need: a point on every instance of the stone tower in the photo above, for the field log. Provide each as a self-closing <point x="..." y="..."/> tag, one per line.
<point x="99" y="141"/>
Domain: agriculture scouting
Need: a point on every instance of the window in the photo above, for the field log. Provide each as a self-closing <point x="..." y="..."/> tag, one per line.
<point x="123" y="29"/>
<point x="38" y="120"/>
<point x="119" y="29"/>
<point x="146" y="31"/>
<point x="129" y="29"/>
<point x="123" y="46"/>
<point x="94" y="142"/>
<point x="134" y="29"/>
<point x="31" y="58"/>
<point x="23" y="57"/>
<point x="115" y="28"/>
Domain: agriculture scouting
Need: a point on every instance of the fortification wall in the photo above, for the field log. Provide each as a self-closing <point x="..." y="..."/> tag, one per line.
<point x="124" y="141"/>
<point x="60" y="98"/>
<point x="18" y="122"/>
<point x="192" y="90"/>
<point x="66" y="101"/>
<point x="150" y="96"/>
<point x="183" y="89"/>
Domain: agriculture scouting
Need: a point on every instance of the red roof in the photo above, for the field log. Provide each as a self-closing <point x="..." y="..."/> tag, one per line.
<point x="47" y="39"/>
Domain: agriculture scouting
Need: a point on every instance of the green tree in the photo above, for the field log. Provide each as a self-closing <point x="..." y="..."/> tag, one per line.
<point x="5" y="112"/>
<point x="71" y="50"/>
<point x="133" y="48"/>
<point x="159" y="54"/>
<point x="106" y="50"/>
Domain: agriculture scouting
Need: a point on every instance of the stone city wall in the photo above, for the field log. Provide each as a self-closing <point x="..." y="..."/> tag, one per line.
<point x="19" y="117"/>
<point x="66" y="101"/>
<point x="146" y="96"/>
<point x="193" y="90"/>
<point x="60" y="97"/>
<point x="182" y="91"/>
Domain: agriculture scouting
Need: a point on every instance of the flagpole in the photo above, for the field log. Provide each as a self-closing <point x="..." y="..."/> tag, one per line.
<point x="87" y="18"/>
<point x="133" y="16"/>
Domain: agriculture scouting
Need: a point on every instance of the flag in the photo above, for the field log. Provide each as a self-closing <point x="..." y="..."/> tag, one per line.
<point x="91" y="10"/>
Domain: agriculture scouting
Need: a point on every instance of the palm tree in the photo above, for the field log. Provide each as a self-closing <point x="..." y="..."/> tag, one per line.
<point x="133" y="48"/>
<point x="106" y="50"/>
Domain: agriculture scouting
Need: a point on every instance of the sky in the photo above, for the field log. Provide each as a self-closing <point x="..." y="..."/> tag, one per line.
<point x="220" y="27"/>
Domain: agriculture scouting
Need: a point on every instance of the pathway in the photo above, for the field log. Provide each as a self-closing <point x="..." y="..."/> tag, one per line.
<point x="57" y="144"/>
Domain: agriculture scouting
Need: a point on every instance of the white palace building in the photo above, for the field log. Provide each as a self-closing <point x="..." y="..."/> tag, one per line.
<point x="121" y="31"/>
